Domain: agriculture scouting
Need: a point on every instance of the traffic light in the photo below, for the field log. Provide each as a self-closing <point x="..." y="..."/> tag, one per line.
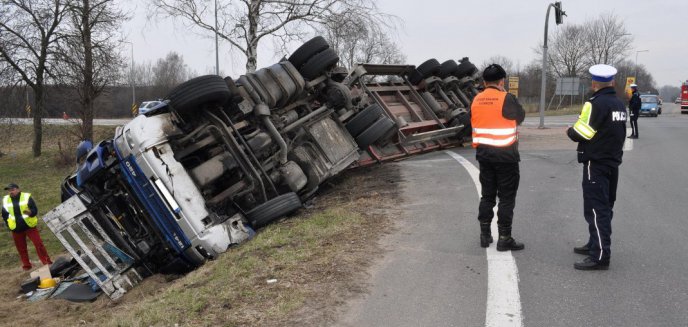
<point x="559" y="13"/>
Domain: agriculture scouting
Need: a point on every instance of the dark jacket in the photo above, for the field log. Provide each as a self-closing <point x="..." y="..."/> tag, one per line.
<point x="634" y="103"/>
<point x="510" y="110"/>
<point x="607" y="118"/>
<point x="21" y="224"/>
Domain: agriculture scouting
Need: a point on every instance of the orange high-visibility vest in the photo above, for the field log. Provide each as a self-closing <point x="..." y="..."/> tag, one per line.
<point x="489" y="126"/>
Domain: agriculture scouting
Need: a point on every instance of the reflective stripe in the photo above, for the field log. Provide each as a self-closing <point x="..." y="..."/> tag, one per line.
<point x="599" y="239"/>
<point x="495" y="131"/>
<point x="488" y="141"/>
<point x="582" y="126"/>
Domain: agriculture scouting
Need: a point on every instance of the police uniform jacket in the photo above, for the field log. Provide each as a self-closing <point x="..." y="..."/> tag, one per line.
<point x="601" y="129"/>
<point x="634" y="103"/>
<point x="511" y="109"/>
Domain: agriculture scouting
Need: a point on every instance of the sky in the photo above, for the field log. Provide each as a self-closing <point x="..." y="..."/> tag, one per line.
<point x="447" y="29"/>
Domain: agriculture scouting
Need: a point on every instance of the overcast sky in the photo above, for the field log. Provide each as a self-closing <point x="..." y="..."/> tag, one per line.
<point x="452" y="29"/>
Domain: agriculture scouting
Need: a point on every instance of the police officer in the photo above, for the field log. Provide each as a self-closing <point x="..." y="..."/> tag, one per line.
<point x="600" y="132"/>
<point x="634" y="108"/>
<point x="495" y="115"/>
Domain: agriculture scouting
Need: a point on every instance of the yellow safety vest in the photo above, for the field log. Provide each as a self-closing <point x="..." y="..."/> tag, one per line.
<point x="23" y="206"/>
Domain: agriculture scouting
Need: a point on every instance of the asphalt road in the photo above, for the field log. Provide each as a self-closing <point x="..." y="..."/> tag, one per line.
<point x="435" y="273"/>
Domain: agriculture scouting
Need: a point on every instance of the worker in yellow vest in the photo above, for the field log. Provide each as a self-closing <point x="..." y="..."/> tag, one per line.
<point x="495" y="115"/>
<point x="19" y="212"/>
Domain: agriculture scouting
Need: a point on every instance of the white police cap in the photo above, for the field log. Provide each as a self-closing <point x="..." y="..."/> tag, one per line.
<point x="634" y="85"/>
<point x="602" y="73"/>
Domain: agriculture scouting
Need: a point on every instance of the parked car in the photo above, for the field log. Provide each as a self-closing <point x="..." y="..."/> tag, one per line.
<point x="147" y="106"/>
<point x="219" y="157"/>
<point x="650" y="105"/>
<point x="678" y="100"/>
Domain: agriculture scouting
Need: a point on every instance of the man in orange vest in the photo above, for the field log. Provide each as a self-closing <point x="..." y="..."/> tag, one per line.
<point x="19" y="212"/>
<point x="495" y="115"/>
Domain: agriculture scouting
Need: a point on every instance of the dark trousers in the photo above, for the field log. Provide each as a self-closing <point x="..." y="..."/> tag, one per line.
<point x="20" y="244"/>
<point x="498" y="179"/>
<point x="599" y="194"/>
<point x="634" y="125"/>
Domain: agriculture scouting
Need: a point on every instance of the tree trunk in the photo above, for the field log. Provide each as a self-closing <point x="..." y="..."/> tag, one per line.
<point x="88" y="92"/>
<point x="37" y="120"/>
<point x="251" y="41"/>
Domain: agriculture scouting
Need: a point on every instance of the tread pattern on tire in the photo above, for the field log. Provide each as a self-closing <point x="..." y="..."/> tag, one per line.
<point x="308" y="50"/>
<point x="274" y="208"/>
<point x="189" y="95"/>
<point x="448" y="68"/>
<point x="319" y="63"/>
<point x="426" y="69"/>
<point x="363" y="119"/>
<point x="375" y="132"/>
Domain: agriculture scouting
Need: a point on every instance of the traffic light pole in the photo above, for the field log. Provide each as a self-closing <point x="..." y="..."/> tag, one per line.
<point x="559" y="13"/>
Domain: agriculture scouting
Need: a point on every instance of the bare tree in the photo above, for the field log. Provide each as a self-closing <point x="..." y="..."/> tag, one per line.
<point x="607" y="40"/>
<point x="29" y="30"/>
<point x="88" y="55"/>
<point x="356" y="39"/>
<point x="245" y="23"/>
<point x="568" y="51"/>
<point x="503" y="61"/>
<point x="168" y="72"/>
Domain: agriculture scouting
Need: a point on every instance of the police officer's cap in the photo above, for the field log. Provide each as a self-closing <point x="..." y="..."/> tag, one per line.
<point x="602" y="73"/>
<point x="493" y="72"/>
<point x="635" y="86"/>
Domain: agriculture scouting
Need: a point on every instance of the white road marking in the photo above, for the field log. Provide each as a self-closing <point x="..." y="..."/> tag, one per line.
<point x="628" y="144"/>
<point x="503" y="299"/>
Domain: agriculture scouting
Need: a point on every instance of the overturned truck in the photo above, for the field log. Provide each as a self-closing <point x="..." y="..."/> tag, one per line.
<point x="221" y="157"/>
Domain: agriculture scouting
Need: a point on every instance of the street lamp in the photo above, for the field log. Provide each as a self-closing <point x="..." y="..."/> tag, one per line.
<point x="217" y="56"/>
<point x="636" y="63"/>
<point x="131" y="76"/>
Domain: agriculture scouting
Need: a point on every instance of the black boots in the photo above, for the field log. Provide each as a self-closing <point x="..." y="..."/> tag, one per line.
<point x="582" y="249"/>
<point x="590" y="264"/>
<point x="485" y="235"/>
<point x="506" y="243"/>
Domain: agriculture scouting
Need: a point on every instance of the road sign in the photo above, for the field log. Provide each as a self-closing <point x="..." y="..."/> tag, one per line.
<point x="514" y="92"/>
<point x="568" y="86"/>
<point x="629" y="80"/>
<point x="513" y="82"/>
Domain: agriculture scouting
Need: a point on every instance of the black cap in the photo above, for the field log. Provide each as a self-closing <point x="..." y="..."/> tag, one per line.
<point x="493" y="72"/>
<point x="11" y="186"/>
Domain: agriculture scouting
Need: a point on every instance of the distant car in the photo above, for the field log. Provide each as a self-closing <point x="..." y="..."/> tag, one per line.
<point x="678" y="100"/>
<point x="650" y="105"/>
<point x="147" y="106"/>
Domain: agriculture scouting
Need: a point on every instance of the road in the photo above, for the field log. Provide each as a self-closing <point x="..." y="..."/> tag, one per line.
<point x="60" y="121"/>
<point x="435" y="273"/>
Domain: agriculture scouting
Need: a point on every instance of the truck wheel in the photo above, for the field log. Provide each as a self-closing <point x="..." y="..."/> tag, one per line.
<point x="363" y="119"/>
<point x="448" y="68"/>
<point x="273" y="209"/>
<point x="428" y="68"/>
<point x="308" y="50"/>
<point x="319" y="63"/>
<point x="208" y="89"/>
<point x="466" y="68"/>
<point x="375" y="132"/>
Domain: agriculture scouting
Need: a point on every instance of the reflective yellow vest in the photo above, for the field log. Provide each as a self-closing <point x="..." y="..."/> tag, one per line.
<point x="23" y="206"/>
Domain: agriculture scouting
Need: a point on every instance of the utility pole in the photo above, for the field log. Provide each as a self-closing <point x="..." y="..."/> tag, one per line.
<point x="559" y="18"/>
<point x="217" y="55"/>
<point x="131" y="76"/>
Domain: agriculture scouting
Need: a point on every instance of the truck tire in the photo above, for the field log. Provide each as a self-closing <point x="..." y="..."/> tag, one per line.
<point x="375" y="132"/>
<point x="308" y="50"/>
<point x="319" y="63"/>
<point x="426" y="69"/>
<point x="273" y="209"/>
<point x="207" y="89"/>
<point x="465" y="68"/>
<point x="448" y="68"/>
<point x="364" y="119"/>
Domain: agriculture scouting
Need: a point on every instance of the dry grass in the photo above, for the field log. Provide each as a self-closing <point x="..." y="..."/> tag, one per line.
<point x="318" y="258"/>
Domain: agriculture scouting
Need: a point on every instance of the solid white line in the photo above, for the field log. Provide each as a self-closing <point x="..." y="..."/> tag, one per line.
<point x="503" y="299"/>
<point x="628" y="144"/>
